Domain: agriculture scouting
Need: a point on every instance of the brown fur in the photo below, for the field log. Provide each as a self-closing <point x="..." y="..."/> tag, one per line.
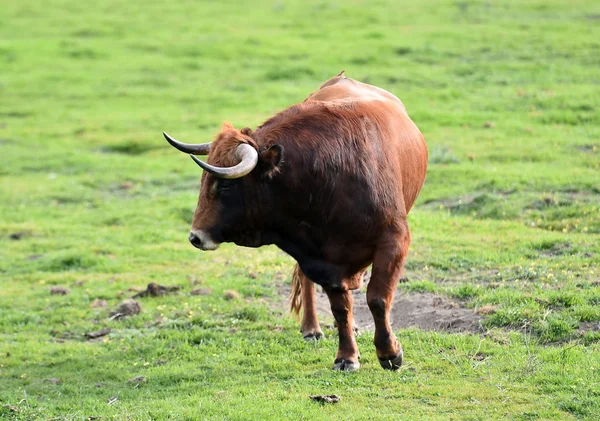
<point x="222" y="151"/>
<point x="344" y="169"/>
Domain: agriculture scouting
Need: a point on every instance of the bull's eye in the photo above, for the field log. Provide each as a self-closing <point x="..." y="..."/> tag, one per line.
<point x="224" y="186"/>
<point x="214" y="189"/>
<point x="219" y="187"/>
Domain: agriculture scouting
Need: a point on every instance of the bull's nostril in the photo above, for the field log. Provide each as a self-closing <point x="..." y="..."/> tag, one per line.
<point x="195" y="240"/>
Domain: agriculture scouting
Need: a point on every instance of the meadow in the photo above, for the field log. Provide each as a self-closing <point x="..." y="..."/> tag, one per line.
<point x="93" y="199"/>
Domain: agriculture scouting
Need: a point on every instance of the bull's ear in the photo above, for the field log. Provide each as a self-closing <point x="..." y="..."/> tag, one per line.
<point x="269" y="161"/>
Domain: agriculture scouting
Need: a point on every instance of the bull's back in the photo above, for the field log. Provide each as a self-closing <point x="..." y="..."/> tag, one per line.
<point x="341" y="88"/>
<point x="406" y="152"/>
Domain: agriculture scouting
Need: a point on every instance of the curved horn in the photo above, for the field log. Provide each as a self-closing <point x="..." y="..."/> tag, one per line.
<point x="248" y="159"/>
<point x="196" y="149"/>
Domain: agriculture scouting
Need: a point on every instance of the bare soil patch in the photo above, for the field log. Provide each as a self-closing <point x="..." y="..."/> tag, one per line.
<point x="423" y="310"/>
<point x="585" y="327"/>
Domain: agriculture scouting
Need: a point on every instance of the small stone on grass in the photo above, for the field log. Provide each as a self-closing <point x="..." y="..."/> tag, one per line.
<point x="486" y="309"/>
<point x="57" y="290"/>
<point x="201" y="291"/>
<point x="11" y="408"/>
<point x="231" y="295"/>
<point x="98" y="303"/>
<point x="126" y="308"/>
<point x="97" y="334"/>
<point x="155" y="290"/>
<point x="325" y="398"/>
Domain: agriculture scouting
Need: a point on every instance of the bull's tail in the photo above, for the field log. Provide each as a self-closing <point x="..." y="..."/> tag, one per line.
<point x="296" y="293"/>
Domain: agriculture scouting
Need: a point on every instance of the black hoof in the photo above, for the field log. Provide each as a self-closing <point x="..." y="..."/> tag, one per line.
<point x="313" y="336"/>
<point x="345" y="365"/>
<point x="393" y="363"/>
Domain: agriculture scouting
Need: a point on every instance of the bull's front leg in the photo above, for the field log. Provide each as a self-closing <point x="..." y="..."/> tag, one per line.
<point x="341" y="307"/>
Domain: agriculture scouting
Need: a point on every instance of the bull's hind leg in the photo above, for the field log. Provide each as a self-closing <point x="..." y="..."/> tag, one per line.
<point x="310" y="322"/>
<point x="387" y="267"/>
<point x="303" y="298"/>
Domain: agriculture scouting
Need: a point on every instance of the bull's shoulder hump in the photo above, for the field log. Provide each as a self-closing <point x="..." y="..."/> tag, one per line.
<point x="341" y="88"/>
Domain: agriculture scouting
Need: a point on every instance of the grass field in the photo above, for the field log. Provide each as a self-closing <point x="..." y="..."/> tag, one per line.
<point x="92" y="198"/>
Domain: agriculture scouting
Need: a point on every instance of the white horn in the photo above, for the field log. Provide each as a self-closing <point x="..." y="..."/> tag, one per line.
<point x="248" y="157"/>
<point x="196" y="149"/>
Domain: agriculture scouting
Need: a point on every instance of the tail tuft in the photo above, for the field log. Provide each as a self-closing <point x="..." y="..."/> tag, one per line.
<point x="296" y="293"/>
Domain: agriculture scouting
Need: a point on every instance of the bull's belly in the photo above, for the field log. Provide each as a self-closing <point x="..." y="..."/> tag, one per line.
<point x="331" y="276"/>
<point x="330" y="260"/>
<point x="338" y="266"/>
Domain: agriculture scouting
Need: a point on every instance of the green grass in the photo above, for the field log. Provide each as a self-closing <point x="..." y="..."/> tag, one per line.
<point x="507" y="96"/>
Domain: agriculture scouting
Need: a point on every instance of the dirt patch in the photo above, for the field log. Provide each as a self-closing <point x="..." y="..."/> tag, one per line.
<point x="553" y="248"/>
<point x="129" y="147"/>
<point x="594" y="149"/>
<point x="423" y="310"/>
<point x="585" y="327"/>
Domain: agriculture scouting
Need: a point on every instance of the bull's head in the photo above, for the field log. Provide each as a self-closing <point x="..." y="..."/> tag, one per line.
<point x="233" y="175"/>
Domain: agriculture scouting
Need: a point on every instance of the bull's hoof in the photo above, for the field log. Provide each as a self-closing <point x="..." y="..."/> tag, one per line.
<point x="392" y="363"/>
<point x="345" y="365"/>
<point x="313" y="336"/>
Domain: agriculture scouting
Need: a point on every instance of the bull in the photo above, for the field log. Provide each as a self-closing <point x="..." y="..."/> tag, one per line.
<point x="330" y="181"/>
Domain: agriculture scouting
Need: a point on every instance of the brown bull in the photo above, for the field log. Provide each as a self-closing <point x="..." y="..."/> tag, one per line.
<point x="330" y="181"/>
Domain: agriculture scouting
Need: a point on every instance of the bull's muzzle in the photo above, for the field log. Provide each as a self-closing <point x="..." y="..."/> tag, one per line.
<point x="201" y="240"/>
